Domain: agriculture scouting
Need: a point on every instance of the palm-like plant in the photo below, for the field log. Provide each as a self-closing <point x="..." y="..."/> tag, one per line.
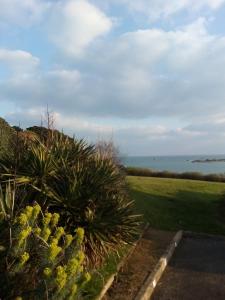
<point x="33" y="171"/>
<point x="88" y="190"/>
<point x="93" y="195"/>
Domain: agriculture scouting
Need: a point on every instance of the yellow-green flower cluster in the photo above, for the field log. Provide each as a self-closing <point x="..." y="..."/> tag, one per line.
<point x="68" y="240"/>
<point x="47" y="219"/>
<point x="23" y="235"/>
<point x="47" y="272"/>
<point x="24" y="258"/>
<point x="37" y="231"/>
<point x="55" y="219"/>
<point x="29" y="215"/>
<point x="79" y="235"/>
<point x="53" y="240"/>
<point x="22" y="219"/>
<point x="59" y="232"/>
<point x="45" y="233"/>
<point x="61" y="277"/>
<point x="65" y="279"/>
<point x="29" y="211"/>
<point x="36" y="211"/>
<point x="72" y="266"/>
<point x="53" y="250"/>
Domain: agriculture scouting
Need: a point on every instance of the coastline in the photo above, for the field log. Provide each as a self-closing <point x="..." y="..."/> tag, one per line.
<point x="178" y="164"/>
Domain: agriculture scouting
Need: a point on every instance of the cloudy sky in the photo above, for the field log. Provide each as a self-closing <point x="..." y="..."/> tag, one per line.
<point x="148" y="73"/>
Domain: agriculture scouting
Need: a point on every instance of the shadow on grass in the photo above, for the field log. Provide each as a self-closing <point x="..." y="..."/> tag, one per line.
<point x="187" y="210"/>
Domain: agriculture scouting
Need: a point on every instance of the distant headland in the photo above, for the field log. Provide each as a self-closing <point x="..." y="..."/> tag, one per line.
<point x="208" y="160"/>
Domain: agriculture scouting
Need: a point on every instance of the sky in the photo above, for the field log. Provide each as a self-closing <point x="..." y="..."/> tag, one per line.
<point x="147" y="74"/>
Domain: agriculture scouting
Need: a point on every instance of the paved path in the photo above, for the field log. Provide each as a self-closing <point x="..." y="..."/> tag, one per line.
<point x="196" y="271"/>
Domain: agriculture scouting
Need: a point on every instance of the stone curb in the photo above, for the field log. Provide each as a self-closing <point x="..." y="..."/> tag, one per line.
<point x="151" y="281"/>
<point x="120" y="265"/>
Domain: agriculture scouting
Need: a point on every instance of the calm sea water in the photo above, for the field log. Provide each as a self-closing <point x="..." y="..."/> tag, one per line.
<point x="177" y="163"/>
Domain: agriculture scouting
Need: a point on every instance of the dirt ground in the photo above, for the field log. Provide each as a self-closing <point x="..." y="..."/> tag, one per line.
<point x="196" y="271"/>
<point x="139" y="265"/>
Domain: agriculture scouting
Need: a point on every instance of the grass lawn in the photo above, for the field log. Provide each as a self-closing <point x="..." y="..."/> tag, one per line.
<point x="170" y="204"/>
<point x="173" y="204"/>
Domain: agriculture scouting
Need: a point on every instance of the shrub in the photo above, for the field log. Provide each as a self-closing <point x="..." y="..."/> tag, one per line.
<point x="108" y="150"/>
<point x="40" y="260"/>
<point x="132" y="171"/>
<point x="7" y="134"/>
<point x="88" y="189"/>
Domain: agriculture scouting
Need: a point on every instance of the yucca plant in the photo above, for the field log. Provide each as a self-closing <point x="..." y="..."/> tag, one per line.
<point x="93" y="195"/>
<point x="88" y="189"/>
<point x="33" y="171"/>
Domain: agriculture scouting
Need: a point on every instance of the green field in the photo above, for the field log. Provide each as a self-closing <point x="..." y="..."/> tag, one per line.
<point x="173" y="204"/>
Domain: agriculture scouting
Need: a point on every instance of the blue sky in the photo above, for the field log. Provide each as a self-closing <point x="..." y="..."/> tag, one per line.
<point x="149" y="73"/>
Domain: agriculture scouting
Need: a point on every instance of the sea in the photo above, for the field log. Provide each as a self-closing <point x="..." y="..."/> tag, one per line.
<point x="177" y="164"/>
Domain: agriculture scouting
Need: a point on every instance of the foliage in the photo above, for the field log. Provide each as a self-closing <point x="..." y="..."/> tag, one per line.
<point x="7" y="201"/>
<point x="47" y="135"/>
<point x="41" y="131"/>
<point x="17" y="128"/>
<point x="6" y="135"/>
<point x="42" y="261"/>
<point x="133" y="171"/>
<point x="88" y="189"/>
<point x="107" y="149"/>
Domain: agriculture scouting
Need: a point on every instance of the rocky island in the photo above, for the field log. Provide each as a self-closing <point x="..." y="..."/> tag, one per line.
<point x="208" y="160"/>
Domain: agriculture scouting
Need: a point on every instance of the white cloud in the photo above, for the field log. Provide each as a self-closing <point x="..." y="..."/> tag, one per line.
<point x="18" y="61"/>
<point x="74" y="24"/>
<point x="147" y="73"/>
<point x="156" y="9"/>
<point x="141" y="74"/>
<point x="38" y="89"/>
<point x="214" y="4"/>
<point x="157" y="73"/>
<point x="22" y="12"/>
<point x="150" y="74"/>
<point x="214" y="127"/>
<point x="67" y="76"/>
<point x="134" y="138"/>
